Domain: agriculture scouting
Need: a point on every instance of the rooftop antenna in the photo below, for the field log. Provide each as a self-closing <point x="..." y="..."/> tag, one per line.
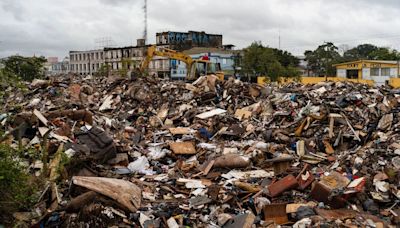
<point x="103" y="42"/>
<point x="145" y="22"/>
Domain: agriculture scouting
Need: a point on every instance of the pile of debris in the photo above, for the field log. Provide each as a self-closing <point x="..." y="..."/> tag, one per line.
<point x="157" y="153"/>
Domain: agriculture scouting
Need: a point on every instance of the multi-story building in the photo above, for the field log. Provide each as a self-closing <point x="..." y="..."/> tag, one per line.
<point x="185" y="40"/>
<point x="86" y="62"/>
<point x="49" y="62"/>
<point x="130" y="57"/>
<point x="127" y="58"/>
<point x="59" y="67"/>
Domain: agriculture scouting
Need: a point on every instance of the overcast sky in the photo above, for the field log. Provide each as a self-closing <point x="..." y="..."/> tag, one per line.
<point x="53" y="27"/>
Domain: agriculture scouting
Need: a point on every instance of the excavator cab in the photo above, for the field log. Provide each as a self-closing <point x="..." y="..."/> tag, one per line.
<point x="205" y="67"/>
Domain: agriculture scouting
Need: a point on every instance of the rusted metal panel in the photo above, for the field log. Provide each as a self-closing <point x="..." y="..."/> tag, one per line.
<point x="286" y="183"/>
<point x="276" y="213"/>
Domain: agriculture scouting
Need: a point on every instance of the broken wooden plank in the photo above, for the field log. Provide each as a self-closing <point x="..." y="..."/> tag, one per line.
<point x="183" y="147"/>
<point x="211" y="113"/>
<point x="242" y="113"/>
<point x="180" y="130"/>
<point x="124" y="192"/>
<point x="40" y="117"/>
<point x="106" y="105"/>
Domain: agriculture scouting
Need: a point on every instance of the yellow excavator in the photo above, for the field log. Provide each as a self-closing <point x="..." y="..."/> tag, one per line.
<point x="195" y="67"/>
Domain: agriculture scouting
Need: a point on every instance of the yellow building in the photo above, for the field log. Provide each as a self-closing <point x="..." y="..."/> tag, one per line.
<point x="380" y="71"/>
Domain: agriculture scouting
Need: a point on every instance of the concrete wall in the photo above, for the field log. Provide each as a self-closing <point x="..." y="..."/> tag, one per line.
<point x="366" y="73"/>
<point x="341" y="73"/>
<point x="315" y="80"/>
<point x="395" y="82"/>
<point x="380" y="79"/>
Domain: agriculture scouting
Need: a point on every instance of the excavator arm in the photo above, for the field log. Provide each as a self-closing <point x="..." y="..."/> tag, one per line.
<point x="165" y="52"/>
<point x="172" y="54"/>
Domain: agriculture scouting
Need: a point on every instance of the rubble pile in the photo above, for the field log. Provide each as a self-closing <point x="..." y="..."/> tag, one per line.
<point x="156" y="153"/>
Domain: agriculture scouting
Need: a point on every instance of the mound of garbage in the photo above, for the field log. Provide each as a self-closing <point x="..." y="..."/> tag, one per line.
<point x="158" y="153"/>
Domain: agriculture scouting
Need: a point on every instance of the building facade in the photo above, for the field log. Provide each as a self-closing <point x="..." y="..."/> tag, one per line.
<point x="127" y="58"/>
<point x="185" y="40"/>
<point x="130" y="57"/>
<point x="379" y="71"/>
<point x="86" y="62"/>
<point x="60" y="67"/>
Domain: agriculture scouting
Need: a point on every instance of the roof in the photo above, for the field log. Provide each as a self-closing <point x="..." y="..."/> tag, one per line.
<point x="369" y="61"/>
<point x="199" y="50"/>
<point x="190" y="31"/>
<point x="87" y="51"/>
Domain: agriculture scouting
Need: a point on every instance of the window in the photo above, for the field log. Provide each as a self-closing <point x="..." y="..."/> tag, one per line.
<point x="223" y="61"/>
<point x="374" y="71"/>
<point x="385" y="72"/>
<point x="352" y="74"/>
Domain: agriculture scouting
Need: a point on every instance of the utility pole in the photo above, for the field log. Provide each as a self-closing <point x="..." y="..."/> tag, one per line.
<point x="145" y="21"/>
<point x="326" y="61"/>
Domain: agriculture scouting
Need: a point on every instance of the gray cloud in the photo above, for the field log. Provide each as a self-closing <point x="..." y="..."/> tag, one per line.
<point x="13" y="7"/>
<point x="53" y="27"/>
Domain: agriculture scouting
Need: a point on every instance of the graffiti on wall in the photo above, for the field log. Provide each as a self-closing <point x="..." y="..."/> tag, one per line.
<point x="195" y="38"/>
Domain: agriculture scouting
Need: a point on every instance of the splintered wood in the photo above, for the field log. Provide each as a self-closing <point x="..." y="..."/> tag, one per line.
<point x="183" y="147"/>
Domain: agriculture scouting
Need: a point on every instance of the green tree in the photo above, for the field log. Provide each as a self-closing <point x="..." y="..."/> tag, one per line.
<point x="370" y="52"/>
<point x="320" y="60"/>
<point x="285" y="58"/>
<point x="26" y="68"/>
<point x="264" y="61"/>
<point x="17" y="188"/>
<point x="383" y="53"/>
<point x="103" y="71"/>
<point x="362" y="51"/>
